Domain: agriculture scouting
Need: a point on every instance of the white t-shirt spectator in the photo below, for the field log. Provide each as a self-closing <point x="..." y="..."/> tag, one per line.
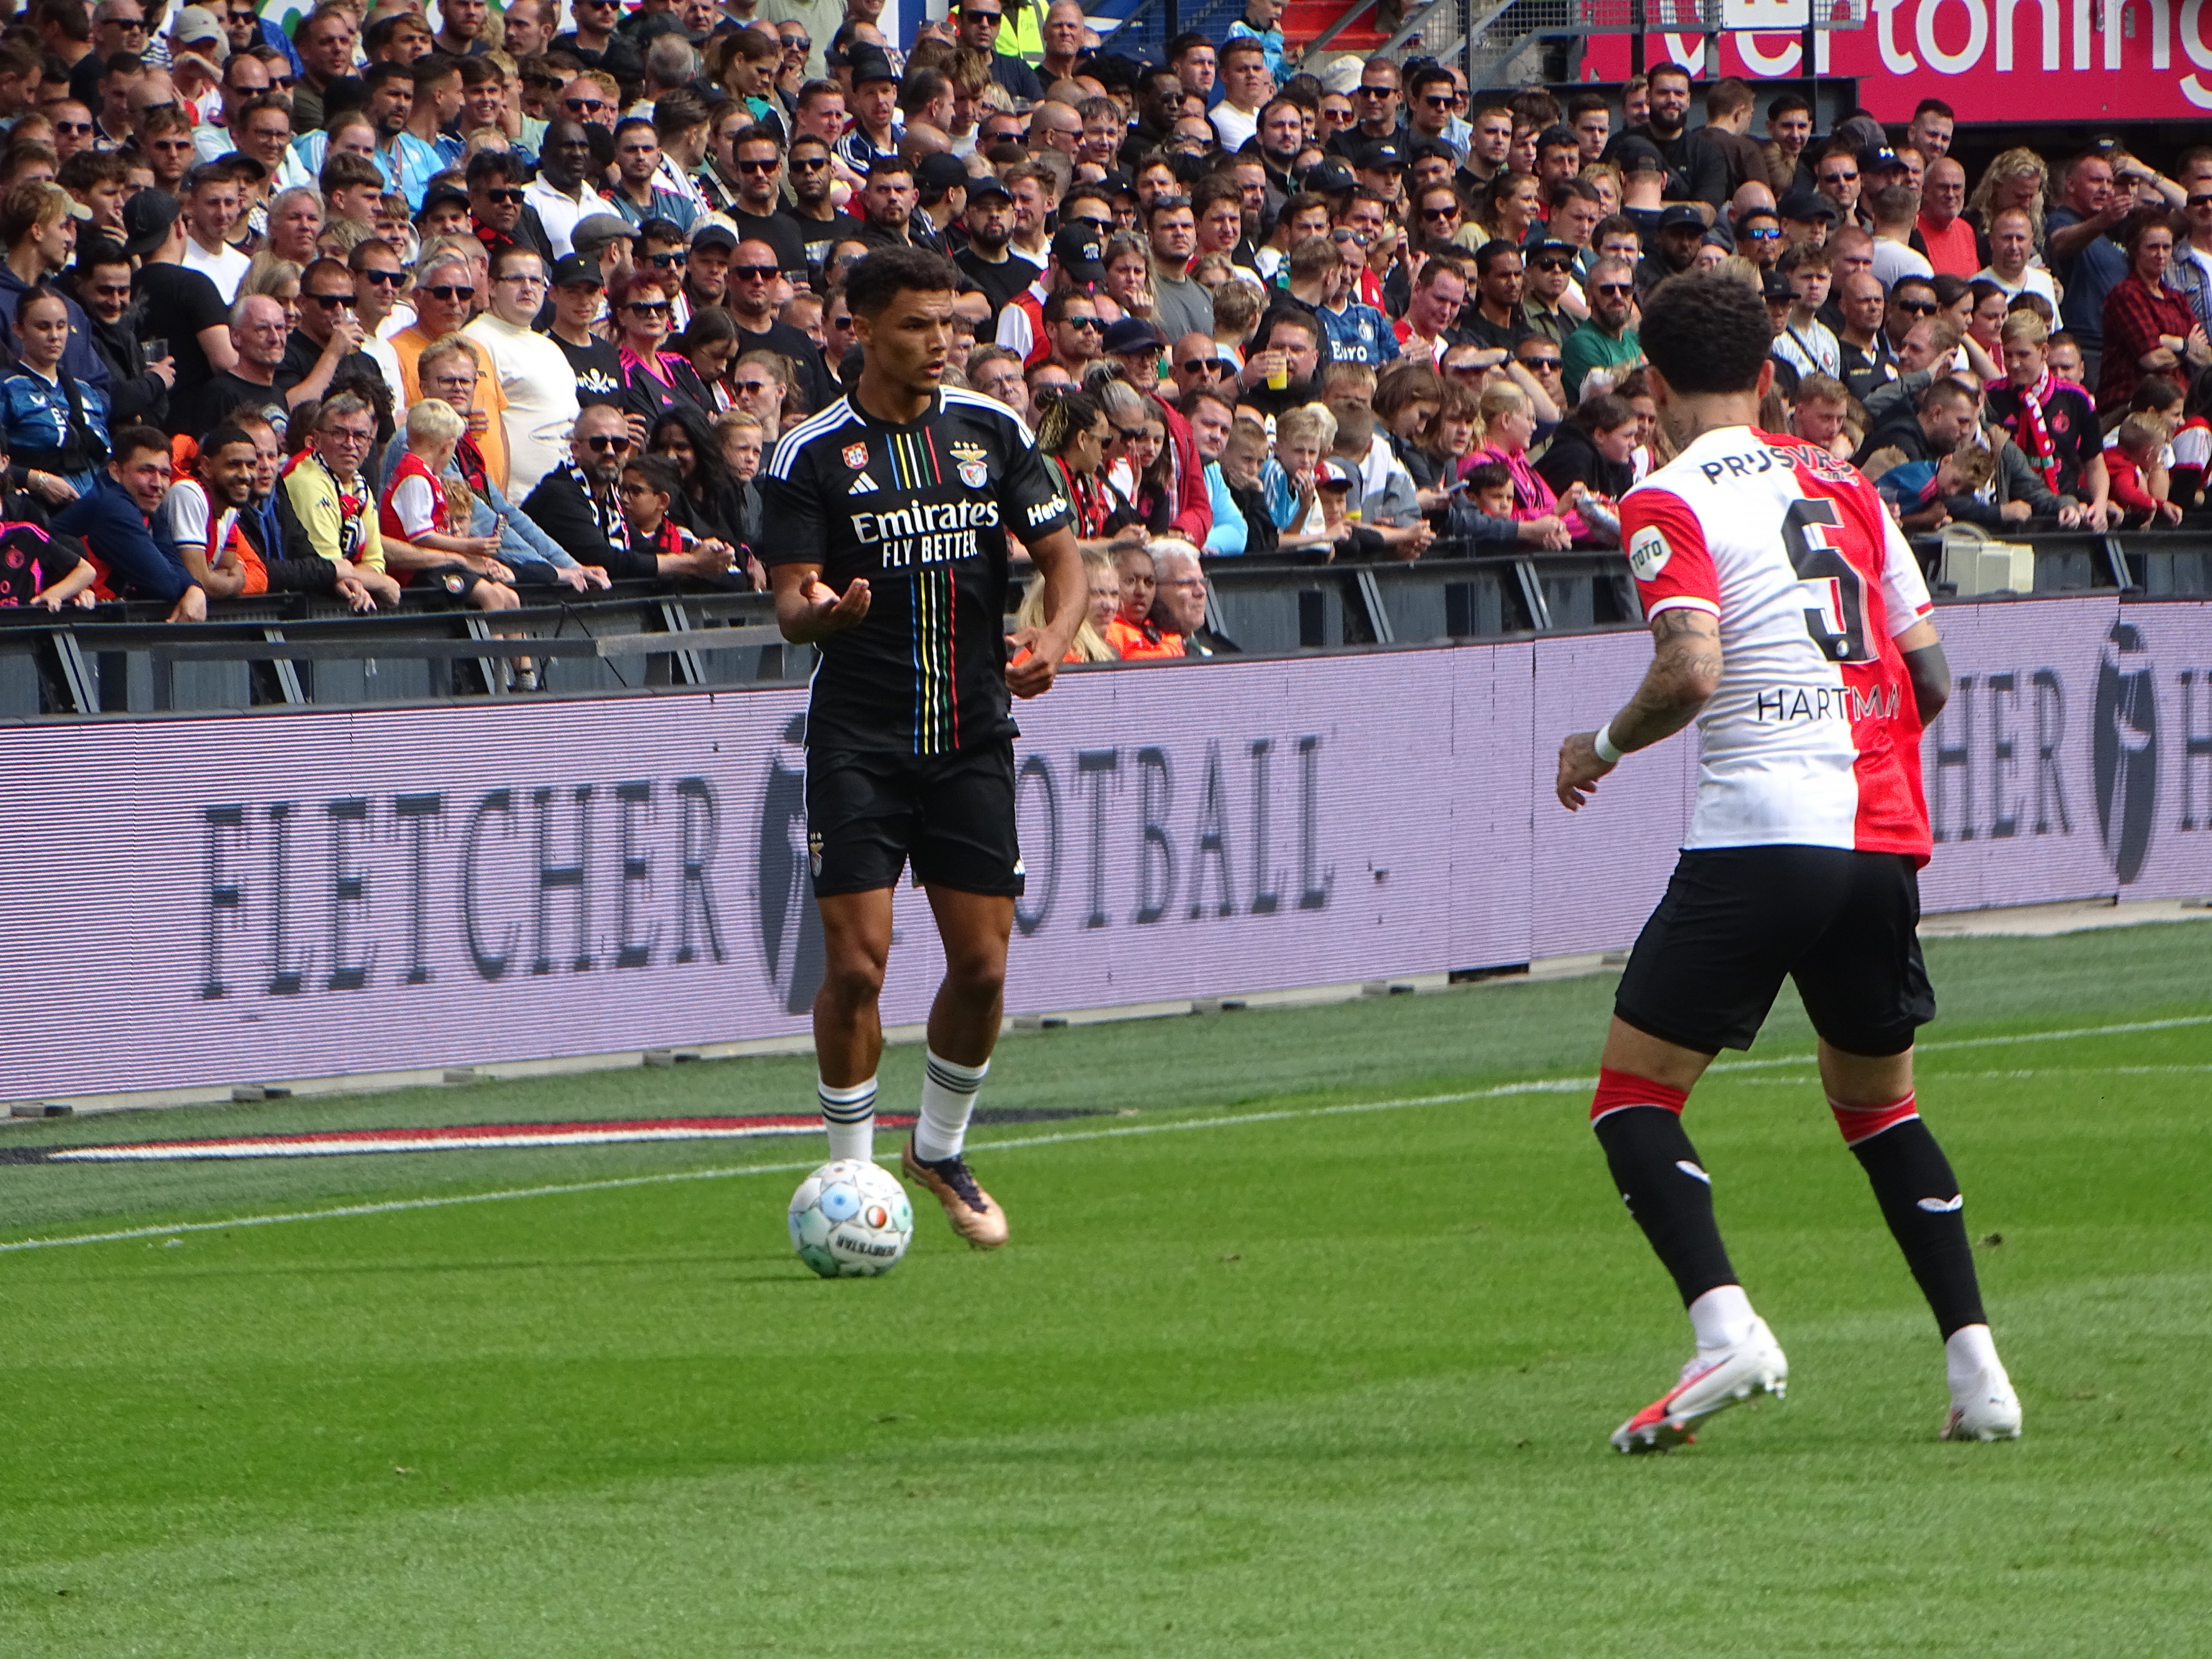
<point x="226" y="269"/>
<point x="541" y="398"/>
<point x="185" y="518"/>
<point x="1810" y="349"/>
<point x="558" y="213"/>
<point x="2034" y="280"/>
<point x="1233" y="125"/>
<point x="1894" y="259"/>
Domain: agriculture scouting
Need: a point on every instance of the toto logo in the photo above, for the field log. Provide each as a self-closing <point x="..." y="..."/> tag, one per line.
<point x="790" y="925"/>
<point x="2125" y="735"/>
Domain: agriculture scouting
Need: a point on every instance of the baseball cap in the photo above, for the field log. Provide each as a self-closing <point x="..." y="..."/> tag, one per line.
<point x="1776" y="289"/>
<point x="939" y="174"/>
<point x="1380" y="155"/>
<point x="1433" y="150"/>
<point x="870" y="61"/>
<point x="196" y="23"/>
<point x="1680" y="214"/>
<point x="146" y="217"/>
<point x="1335" y="474"/>
<point x="1131" y="334"/>
<point x="569" y="270"/>
<point x="440" y="196"/>
<point x="1077" y="250"/>
<point x="986" y="183"/>
<point x="710" y="234"/>
<point x="1550" y="247"/>
<point x="1880" y="158"/>
<point x="1805" y="205"/>
<point x="1638" y="155"/>
<point x="1329" y="176"/>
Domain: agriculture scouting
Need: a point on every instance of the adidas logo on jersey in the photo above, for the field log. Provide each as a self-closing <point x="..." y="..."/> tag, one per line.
<point x="863" y="485"/>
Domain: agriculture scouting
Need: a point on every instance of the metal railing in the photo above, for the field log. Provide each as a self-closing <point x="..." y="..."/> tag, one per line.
<point x="123" y="661"/>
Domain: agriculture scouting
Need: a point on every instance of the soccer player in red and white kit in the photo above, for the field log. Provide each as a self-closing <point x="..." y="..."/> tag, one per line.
<point x="1789" y="620"/>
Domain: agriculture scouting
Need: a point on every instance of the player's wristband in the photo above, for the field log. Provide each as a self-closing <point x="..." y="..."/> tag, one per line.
<point x="1607" y="749"/>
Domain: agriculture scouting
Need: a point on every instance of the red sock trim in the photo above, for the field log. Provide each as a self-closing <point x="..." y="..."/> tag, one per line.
<point x="1618" y="1091"/>
<point x="1864" y="1122"/>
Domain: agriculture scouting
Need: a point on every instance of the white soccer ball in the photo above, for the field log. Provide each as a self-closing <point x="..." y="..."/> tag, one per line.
<point x="851" y="1220"/>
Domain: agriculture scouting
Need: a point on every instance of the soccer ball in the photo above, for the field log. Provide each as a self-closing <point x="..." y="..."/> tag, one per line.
<point x="851" y="1220"/>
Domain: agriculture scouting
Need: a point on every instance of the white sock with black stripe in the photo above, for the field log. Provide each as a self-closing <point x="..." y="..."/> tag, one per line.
<point x="850" y="1114"/>
<point x="948" y="1098"/>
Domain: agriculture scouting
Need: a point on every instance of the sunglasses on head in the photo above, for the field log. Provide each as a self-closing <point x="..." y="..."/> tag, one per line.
<point x="450" y="292"/>
<point x="609" y="444"/>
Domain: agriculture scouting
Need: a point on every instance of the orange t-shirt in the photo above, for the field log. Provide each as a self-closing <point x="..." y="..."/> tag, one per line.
<point x="1134" y="642"/>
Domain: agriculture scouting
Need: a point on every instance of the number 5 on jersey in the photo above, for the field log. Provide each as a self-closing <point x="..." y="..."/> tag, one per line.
<point x="1835" y="614"/>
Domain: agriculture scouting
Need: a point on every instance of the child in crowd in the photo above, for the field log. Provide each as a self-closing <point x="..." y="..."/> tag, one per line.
<point x="416" y="520"/>
<point x="2139" y="483"/>
<point x="1910" y="487"/>
<point x="650" y="484"/>
<point x="1132" y="634"/>
<point x="1244" y="467"/>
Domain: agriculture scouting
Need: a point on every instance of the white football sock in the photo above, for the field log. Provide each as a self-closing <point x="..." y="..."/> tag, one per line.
<point x="948" y="1097"/>
<point x="1722" y="1317"/>
<point x="1969" y="1353"/>
<point x="850" y="1114"/>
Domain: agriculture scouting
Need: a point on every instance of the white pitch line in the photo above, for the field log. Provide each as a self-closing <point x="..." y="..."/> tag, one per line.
<point x="393" y="1207"/>
<point x="1533" y="1086"/>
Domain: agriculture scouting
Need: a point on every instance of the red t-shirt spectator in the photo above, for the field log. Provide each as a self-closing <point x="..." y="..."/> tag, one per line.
<point x="1951" y="250"/>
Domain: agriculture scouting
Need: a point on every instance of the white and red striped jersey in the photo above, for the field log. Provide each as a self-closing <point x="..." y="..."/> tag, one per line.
<point x="1812" y="738"/>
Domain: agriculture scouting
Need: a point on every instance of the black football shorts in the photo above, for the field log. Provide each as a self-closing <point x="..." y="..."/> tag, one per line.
<point x="1735" y="919"/>
<point x="953" y="815"/>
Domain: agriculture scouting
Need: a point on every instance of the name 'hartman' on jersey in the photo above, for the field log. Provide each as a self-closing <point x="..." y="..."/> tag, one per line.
<point x="924" y="533"/>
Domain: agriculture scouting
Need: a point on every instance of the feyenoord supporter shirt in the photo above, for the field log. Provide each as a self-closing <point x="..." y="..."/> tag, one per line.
<point x="1812" y="738"/>
<point x="922" y="513"/>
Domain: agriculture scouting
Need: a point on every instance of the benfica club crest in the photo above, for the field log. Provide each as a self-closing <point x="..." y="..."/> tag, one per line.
<point x="856" y="455"/>
<point x="974" y="474"/>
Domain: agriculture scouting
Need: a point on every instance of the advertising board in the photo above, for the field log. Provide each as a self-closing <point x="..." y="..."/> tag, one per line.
<point x="203" y="900"/>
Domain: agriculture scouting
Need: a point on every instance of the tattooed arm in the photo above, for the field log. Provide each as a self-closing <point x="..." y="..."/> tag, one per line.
<point x="1685" y="672"/>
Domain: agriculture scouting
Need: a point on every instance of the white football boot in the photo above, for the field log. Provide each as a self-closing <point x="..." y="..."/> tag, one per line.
<point x="1711" y="1382"/>
<point x="1988" y="1411"/>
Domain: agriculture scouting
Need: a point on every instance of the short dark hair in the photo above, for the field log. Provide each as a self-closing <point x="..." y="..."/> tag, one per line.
<point x="383" y="69"/>
<point x="129" y="440"/>
<point x="1933" y="107"/>
<point x="223" y="437"/>
<point x="1706" y="331"/>
<point x="490" y="165"/>
<point x="1490" y="475"/>
<point x="873" y="283"/>
<point x="433" y="67"/>
<point x="1492" y="252"/>
<point x="659" y="474"/>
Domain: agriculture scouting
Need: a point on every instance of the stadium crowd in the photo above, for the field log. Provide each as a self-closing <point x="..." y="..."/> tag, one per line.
<point x="497" y="304"/>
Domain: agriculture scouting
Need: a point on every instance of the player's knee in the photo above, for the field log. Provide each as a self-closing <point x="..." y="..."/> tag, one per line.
<point x="853" y="983"/>
<point x="1617" y="1092"/>
<point x="977" y="971"/>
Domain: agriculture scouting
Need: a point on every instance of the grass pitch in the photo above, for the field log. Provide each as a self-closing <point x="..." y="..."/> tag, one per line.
<point x="1257" y="1376"/>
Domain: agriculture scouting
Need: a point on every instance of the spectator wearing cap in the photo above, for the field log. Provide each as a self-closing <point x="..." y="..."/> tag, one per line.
<point x="1137" y="348"/>
<point x="940" y="184"/>
<point x="1806" y="215"/>
<point x="1892" y="202"/>
<point x="989" y="259"/>
<point x="1076" y="262"/>
<point x="876" y="129"/>
<point x="1181" y="305"/>
<point x="578" y="297"/>
<point x="1549" y="299"/>
<point x="561" y="193"/>
<point x="707" y="272"/>
<point x="1245" y="87"/>
<point x="1694" y="172"/>
<point x="1674" y="247"/>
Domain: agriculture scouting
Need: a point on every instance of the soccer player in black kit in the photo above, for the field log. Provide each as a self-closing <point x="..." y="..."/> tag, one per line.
<point x="887" y="516"/>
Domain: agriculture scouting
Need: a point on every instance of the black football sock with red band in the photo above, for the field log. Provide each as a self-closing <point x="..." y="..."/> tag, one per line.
<point x="1919" y="1198"/>
<point x="1639" y="1124"/>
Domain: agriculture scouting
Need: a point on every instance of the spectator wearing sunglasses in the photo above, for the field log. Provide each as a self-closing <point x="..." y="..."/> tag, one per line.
<point x="579" y="505"/>
<point x="654" y="380"/>
<point x="446" y="298"/>
<point x="982" y="27"/>
<point x="499" y="215"/>
<point x="595" y="45"/>
<point x="329" y="336"/>
<point x="1608" y="342"/>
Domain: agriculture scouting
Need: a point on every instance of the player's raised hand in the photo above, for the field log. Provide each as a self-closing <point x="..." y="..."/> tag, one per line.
<point x="1579" y="769"/>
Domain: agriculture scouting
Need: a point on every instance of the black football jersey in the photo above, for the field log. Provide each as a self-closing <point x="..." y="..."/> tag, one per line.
<point x="922" y="513"/>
